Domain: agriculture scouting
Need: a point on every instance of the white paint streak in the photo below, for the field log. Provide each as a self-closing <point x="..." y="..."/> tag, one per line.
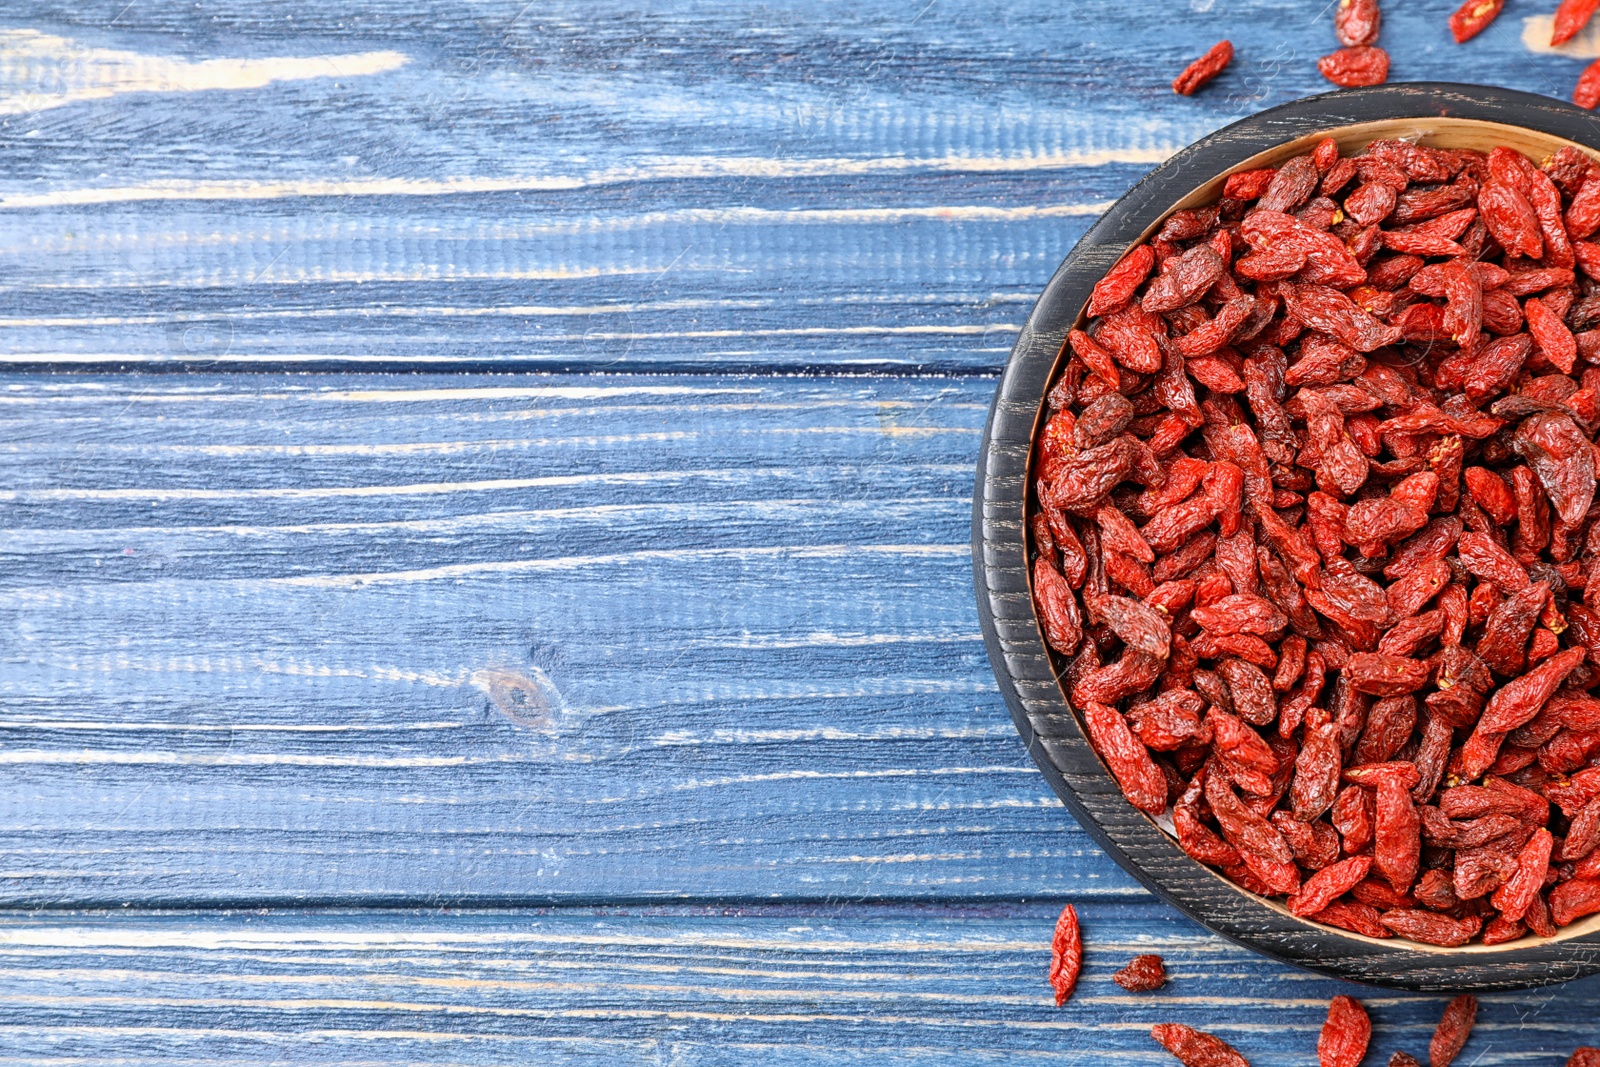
<point x="973" y="300"/>
<point x="827" y="733"/>
<point x="905" y="772"/>
<point x="455" y="448"/>
<point x="663" y="168"/>
<point x="201" y="663"/>
<point x="471" y="570"/>
<point x="938" y="939"/>
<point x="88" y="757"/>
<point x="1536" y="30"/>
<point x="488" y="485"/>
<point x="823" y="639"/>
<point x="22" y="722"/>
<point x="658" y="514"/>
<point x="39" y="71"/>
<point x="368" y="396"/>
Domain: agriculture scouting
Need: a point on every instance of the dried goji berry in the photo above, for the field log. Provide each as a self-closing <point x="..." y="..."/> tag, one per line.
<point x="1397" y="833"/>
<point x="1196" y="1048"/>
<point x="1248" y="184"/>
<point x="1141" y="781"/>
<point x="1432" y="929"/>
<point x="1328" y="885"/>
<point x="1066" y="955"/>
<point x="1356" y="22"/>
<point x="1142" y="974"/>
<point x="1203" y="69"/>
<point x="1345" y="1034"/>
<point x="1571" y="17"/>
<point x="1586" y="94"/>
<point x="1573" y="899"/>
<point x="1113" y="292"/>
<point x="1359" y="918"/>
<point x="1453" y="1029"/>
<point x="1510" y="219"/>
<point x="1473" y="17"/>
<point x="1351" y="67"/>
<point x="1057" y="608"/>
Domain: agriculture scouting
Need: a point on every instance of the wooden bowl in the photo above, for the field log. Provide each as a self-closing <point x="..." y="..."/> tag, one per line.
<point x="1454" y="116"/>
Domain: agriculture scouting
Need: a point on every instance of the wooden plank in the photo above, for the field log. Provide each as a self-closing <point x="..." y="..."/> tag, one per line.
<point x="942" y="985"/>
<point x="416" y="638"/>
<point x="585" y="185"/>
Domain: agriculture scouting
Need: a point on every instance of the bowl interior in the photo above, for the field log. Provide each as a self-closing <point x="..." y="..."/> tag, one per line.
<point x="1443" y="132"/>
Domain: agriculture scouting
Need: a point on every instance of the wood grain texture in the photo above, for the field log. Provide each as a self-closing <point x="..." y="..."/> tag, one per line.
<point x="416" y="638"/>
<point x="582" y="185"/>
<point x="207" y="696"/>
<point x="790" y="986"/>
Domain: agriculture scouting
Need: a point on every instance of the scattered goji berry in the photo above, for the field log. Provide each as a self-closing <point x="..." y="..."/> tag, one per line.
<point x="1586" y="94"/>
<point x="1196" y="1048"/>
<point x="1203" y="69"/>
<point x="1473" y="17"/>
<point x="1356" y="22"/>
<point x="1453" y="1029"/>
<point x="1571" y="17"/>
<point x="1142" y="974"/>
<point x="1066" y="955"/>
<point x="1344" y="1037"/>
<point x="1351" y="67"/>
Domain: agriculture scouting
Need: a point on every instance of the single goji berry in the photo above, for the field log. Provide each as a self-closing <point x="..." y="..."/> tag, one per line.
<point x="1248" y="184"/>
<point x="1351" y="67"/>
<point x="1057" y="608"/>
<point x="1571" y="17"/>
<point x="1453" y="1030"/>
<point x="1066" y="955"/>
<point x="1141" y="781"/>
<point x="1473" y="17"/>
<point x="1328" y="885"/>
<point x="1432" y="929"/>
<point x="1196" y="1048"/>
<point x="1203" y="69"/>
<point x="1510" y="218"/>
<point x="1586" y="94"/>
<point x="1113" y="292"/>
<point x="1345" y="1034"/>
<point x="1356" y="22"/>
<point x="1142" y="974"/>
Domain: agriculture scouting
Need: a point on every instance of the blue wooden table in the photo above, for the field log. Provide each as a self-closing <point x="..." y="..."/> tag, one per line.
<point x="484" y="571"/>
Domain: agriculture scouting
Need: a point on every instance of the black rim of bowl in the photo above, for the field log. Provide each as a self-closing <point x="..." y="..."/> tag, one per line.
<point x="1027" y="672"/>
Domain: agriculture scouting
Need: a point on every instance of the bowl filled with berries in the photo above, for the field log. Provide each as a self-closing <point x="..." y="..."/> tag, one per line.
<point x="1284" y="535"/>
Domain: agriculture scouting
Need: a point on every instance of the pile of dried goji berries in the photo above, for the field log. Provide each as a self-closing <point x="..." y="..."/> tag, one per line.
<point x="1359" y="61"/>
<point x="1313" y="528"/>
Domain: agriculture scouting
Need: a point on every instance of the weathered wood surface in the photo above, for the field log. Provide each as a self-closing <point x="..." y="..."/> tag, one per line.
<point x="355" y="640"/>
<point x="434" y="638"/>
<point x="590" y="184"/>
<point x="790" y="986"/>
